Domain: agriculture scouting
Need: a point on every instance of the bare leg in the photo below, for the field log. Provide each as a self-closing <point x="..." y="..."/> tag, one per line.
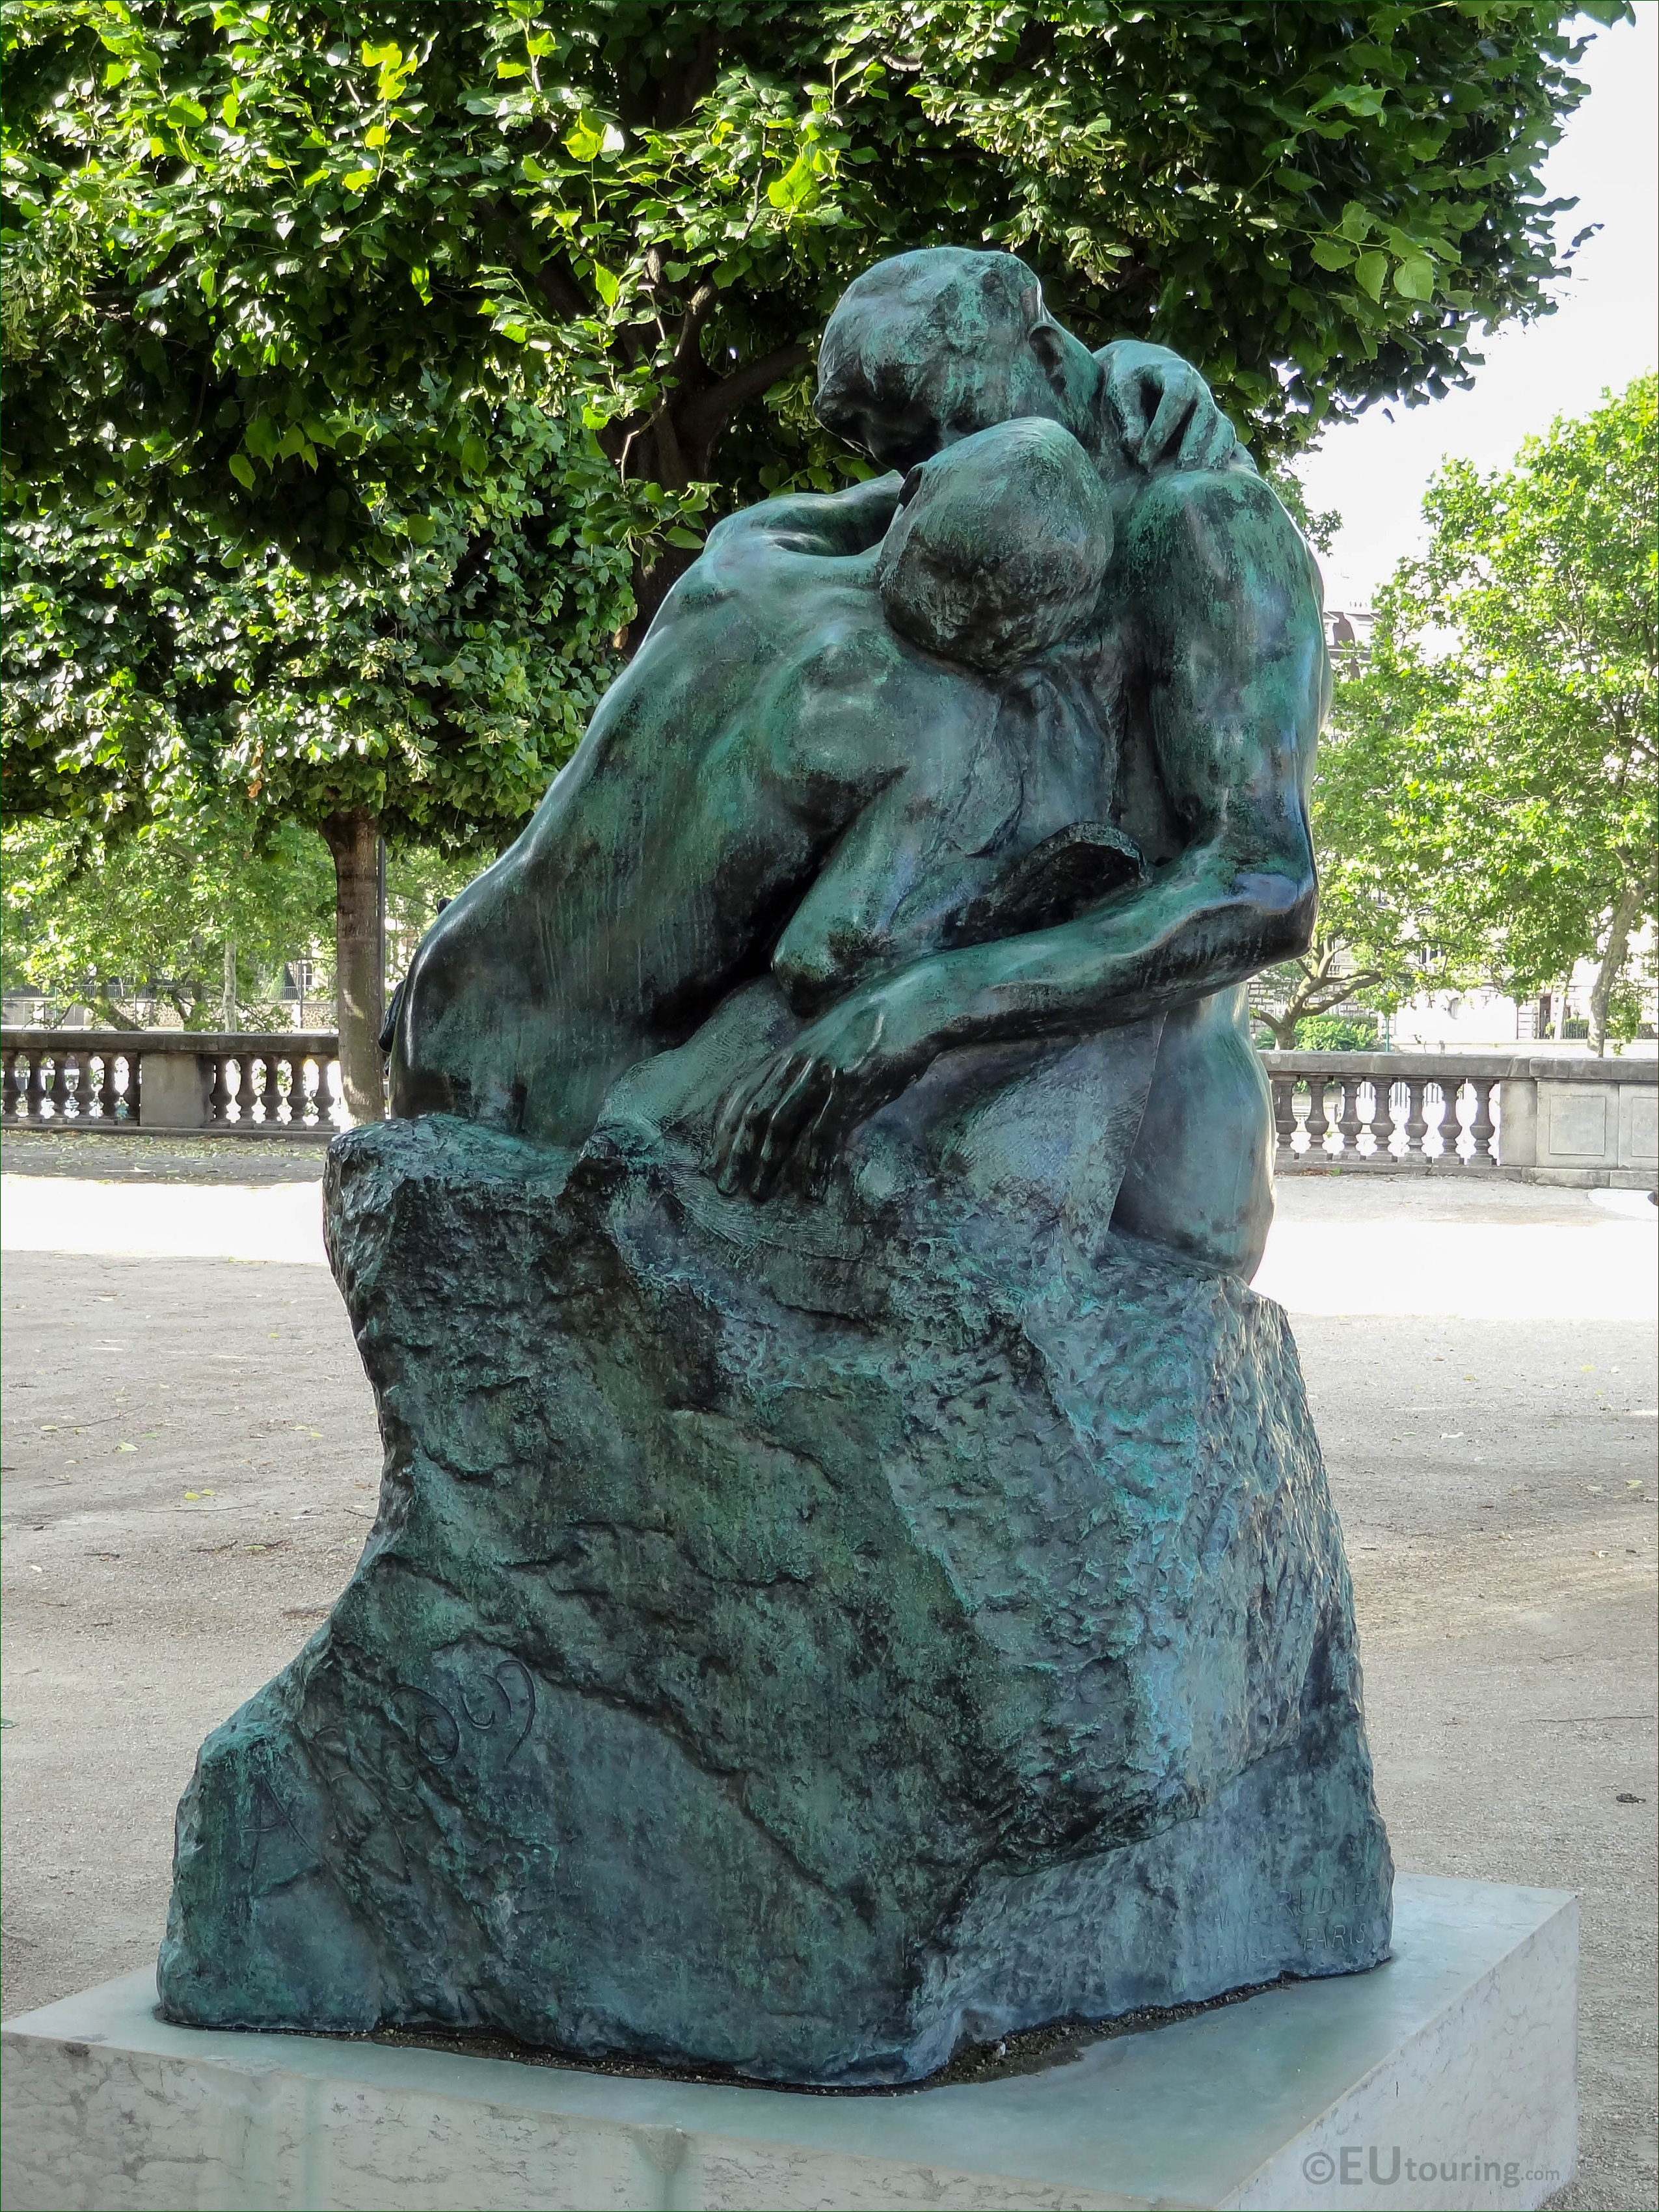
<point x="1209" y="1102"/>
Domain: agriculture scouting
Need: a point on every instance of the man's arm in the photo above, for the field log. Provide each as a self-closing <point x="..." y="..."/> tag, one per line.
<point x="1239" y="687"/>
<point x="830" y="524"/>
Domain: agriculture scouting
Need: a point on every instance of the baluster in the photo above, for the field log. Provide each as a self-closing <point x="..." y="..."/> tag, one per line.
<point x="1451" y="1124"/>
<point x="271" y="1095"/>
<point x="1416" y="1127"/>
<point x="14" y="1087"/>
<point x="127" y="1076"/>
<point x="42" y="1076"/>
<point x="108" y="1095"/>
<point x="1284" y="1113"/>
<point x="1482" y="1128"/>
<point x="1364" y="1115"/>
<point x="1349" y="1127"/>
<point x="76" y="1087"/>
<point x="1382" y="1120"/>
<point x="220" y="1097"/>
<point x="1318" y="1126"/>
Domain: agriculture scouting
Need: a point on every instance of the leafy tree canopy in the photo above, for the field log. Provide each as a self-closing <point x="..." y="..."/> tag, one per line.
<point x="438" y="689"/>
<point x="128" y="925"/>
<point x="280" y="263"/>
<point x="1486" y="806"/>
<point x="157" y="916"/>
<point x="368" y="372"/>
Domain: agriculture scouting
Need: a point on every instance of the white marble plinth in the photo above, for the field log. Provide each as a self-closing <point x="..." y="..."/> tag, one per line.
<point x="1442" y="2080"/>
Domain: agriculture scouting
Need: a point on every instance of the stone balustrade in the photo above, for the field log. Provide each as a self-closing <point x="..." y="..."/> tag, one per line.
<point x="1559" y="1118"/>
<point x="285" y="1084"/>
<point x="1562" y="1118"/>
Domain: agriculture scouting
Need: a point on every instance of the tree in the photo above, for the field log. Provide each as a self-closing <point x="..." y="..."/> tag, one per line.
<point x="322" y="321"/>
<point x="181" y="908"/>
<point x="194" y="912"/>
<point x="1385" y="930"/>
<point x="428" y="697"/>
<point x="1486" y="806"/>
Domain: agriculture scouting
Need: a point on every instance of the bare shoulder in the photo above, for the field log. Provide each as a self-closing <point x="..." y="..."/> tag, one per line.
<point x="1226" y="520"/>
<point x="1216" y="548"/>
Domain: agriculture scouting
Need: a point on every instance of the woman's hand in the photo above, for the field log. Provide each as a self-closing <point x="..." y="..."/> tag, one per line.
<point x="1162" y="409"/>
<point x="793" y="1113"/>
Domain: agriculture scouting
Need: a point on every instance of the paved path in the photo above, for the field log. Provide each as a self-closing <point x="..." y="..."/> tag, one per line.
<point x="192" y="1464"/>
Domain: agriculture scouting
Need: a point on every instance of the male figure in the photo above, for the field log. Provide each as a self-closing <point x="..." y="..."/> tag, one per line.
<point x="1211" y="660"/>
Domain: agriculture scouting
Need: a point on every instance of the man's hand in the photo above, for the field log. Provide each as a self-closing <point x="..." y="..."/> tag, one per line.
<point x="1161" y="409"/>
<point x="793" y="1113"/>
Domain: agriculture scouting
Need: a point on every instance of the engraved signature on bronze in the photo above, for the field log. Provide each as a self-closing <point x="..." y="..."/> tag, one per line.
<point x="438" y="1730"/>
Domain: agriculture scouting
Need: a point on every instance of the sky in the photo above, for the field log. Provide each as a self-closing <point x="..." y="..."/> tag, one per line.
<point x="1374" y="472"/>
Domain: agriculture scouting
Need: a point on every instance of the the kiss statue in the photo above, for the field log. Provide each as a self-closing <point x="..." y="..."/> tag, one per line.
<point x="854" y="1573"/>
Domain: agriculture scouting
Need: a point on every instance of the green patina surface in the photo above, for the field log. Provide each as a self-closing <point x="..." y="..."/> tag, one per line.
<point x="855" y="1570"/>
<point x="798" y="1638"/>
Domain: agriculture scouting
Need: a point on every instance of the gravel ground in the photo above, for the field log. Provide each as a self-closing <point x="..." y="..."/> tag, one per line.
<point x="191" y="1463"/>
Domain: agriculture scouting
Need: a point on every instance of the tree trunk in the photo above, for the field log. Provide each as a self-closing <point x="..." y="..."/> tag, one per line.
<point x="353" y="838"/>
<point x="1627" y="907"/>
<point x="653" y="582"/>
<point x="228" y="997"/>
<point x="673" y="448"/>
<point x="1283" y="1026"/>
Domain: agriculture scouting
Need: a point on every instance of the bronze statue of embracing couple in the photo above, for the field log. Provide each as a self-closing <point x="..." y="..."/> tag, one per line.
<point x="854" y="1574"/>
<point x="1011" y="743"/>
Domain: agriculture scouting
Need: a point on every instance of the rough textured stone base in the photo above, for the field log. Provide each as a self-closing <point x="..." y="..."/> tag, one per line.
<point x="1457" y="2057"/>
<point x="795" y="1638"/>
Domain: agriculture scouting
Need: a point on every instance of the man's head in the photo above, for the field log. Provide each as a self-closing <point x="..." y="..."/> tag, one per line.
<point x="931" y="347"/>
<point x="999" y="547"/>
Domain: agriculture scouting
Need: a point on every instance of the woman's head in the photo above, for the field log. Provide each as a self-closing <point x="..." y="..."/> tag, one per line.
<point x="999" y="547"/>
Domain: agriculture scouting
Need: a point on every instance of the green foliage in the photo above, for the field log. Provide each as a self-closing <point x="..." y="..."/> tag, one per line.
<point x="1317" y="1033"/>
<point x="1329" y="1033"/>
<point x="130" y="923"/>
<point x="366" y="371"/>
<point x="416" y="877"/>
<point x="1490" y="783"/>
<point x="1386" y="927"/>
<point x="440" y="689"/>
<point x="1625" y="1022"/>
<point x="86" y="921"/>
<point x="245" y="234"/>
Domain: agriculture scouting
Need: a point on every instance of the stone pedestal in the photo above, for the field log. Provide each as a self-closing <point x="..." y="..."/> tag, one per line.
<point x="1443" y="2080"/>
